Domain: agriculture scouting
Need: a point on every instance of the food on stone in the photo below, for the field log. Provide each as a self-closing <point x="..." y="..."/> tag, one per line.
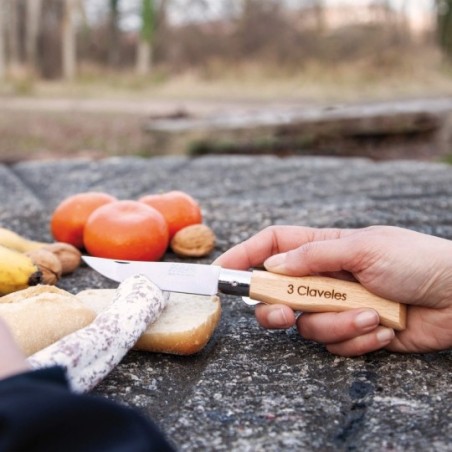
<point x="89" y="354"/>
<point x="106" y="227"/>
<point x="41" y="315"/>
<point x="178" y="208"/>
<point x="12" y="240"/>
<point x="17" y="271"/>
<point x="48" y="263"/>
<point x="185" y="326"/>
<point x="196" y="240"/>
<point x="128" y="230"/>
<point x="69" y="217"/>
<point x="69" y="256"/>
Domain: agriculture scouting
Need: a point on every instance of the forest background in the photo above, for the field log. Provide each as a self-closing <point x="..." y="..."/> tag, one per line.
<point x="82" y="76"/>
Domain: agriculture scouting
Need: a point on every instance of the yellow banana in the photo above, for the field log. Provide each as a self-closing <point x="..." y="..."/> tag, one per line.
<point x="17" y="271"/>
<point x="69" y="255"/>
<point x="12" y="240"/>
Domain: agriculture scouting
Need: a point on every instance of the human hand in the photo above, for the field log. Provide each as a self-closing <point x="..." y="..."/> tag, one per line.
<point x="394" y="263"/>
<point x="12" y="360"/>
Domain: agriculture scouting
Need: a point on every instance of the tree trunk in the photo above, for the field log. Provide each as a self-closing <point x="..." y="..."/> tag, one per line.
<point x="319" y="14"/>
<point x="12" y="28"/>
<point x="32" y="32"/>
<point x="68" y="40"/>
<point x="144" y="50"/>
<point x="114" y="33"/>
<point x="444" y="26"/>
<point x="144" y="58"/>
<point x="2" y="42"/>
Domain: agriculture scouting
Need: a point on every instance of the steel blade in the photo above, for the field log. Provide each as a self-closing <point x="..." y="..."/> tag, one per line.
<point x="171" y="276"/>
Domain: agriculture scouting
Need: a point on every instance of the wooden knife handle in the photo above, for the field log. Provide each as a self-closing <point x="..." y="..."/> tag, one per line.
<point x="322" y="294"/>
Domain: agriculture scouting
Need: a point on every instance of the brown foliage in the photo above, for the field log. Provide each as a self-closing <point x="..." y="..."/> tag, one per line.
<point x="264" y="32"/>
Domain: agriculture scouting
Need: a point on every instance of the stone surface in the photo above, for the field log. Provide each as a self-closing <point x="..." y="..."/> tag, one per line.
<point x="252" y="389"/>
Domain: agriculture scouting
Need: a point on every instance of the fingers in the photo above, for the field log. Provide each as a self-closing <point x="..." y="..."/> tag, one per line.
<point x="273" y="240"/>
<point x="296" y="251"/>
<point x="275" y="316"/>
<point x="317" y="257"/>
<point x="349" y="333"/>
<point x="333" y="327"/>
<point x="363" y="344"/>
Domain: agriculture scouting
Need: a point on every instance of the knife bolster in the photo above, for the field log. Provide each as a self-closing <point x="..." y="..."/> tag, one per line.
<point x="234" y="282"/>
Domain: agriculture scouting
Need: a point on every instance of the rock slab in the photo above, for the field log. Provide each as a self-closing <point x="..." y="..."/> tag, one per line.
<point x="253" y="389"/>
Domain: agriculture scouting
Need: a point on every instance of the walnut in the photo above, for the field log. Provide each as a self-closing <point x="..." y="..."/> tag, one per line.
<point x="196" y="240"/>
<point x="69" y="256"/>
<point x="49" y="265"/>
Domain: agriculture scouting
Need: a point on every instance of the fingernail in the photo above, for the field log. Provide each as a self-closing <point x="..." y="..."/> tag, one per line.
<point x="385" y="335"/>
<point x="275" y="262"/>
<point x="277" y="318"/>
<point x="366" y="319"/>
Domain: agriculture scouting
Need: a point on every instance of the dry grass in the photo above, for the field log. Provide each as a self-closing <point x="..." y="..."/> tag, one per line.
<point x="420" y="71"/>
<point x="35" y="133"/>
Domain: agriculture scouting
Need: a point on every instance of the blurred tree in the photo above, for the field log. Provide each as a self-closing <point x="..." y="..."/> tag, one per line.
<point x="68" y="40"/>
<point x="114" y="34"/>
<point x="12" y="29"/>
<point x="444" y="26"/>
<point x="160" y="47"/>
<point x="318" y="7"/>
<point x="146" y="37"/>
<point x="259" y="27"/>
<point x="2" y="42"/>
<point x="49" y="41"/>
<point x="33" y="17"/>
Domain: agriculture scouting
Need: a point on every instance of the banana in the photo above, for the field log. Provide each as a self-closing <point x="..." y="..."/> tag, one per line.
<point x="69" y="256"/>
<point x="12" y="240"/>
<point x="17" y="271"/>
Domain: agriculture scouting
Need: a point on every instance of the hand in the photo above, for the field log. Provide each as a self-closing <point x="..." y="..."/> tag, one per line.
<point x="12" y="360"/>
<point x="394" y="263"/>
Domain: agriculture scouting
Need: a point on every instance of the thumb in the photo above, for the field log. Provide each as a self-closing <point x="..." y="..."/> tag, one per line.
<point x="315" y="257"/>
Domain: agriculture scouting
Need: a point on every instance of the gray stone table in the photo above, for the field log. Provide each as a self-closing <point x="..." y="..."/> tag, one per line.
<point x="252" y="389"/>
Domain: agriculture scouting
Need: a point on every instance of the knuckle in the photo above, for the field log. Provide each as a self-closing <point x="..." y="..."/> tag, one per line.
<point x="305" y="327"/>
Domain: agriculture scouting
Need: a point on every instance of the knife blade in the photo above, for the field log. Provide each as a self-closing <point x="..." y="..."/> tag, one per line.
<point x="306" y="294"/>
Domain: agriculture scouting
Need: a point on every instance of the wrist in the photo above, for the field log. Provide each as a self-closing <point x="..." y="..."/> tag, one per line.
<point x="12" y="359"/>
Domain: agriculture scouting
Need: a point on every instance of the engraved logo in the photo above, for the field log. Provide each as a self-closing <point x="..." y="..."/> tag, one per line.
<point x="306" y="291"/>
<point x="182" y="270"/>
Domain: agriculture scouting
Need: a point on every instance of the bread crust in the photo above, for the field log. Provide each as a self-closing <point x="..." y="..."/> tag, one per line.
<point x="186" y="342"/>
<point x="184" y="327"/>
<point x="41" y="315"/>
<point x="88" y="355"/>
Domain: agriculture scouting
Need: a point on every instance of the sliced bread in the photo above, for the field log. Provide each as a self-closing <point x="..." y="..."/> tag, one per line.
<point x="184" y="327"/>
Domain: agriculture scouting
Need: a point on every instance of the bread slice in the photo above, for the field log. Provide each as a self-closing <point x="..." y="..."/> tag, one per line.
<point x="184" y="327"/>
<point x="41" y="315"/>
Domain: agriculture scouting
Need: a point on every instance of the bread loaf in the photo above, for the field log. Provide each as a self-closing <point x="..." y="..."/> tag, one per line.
<point x="184" y="327"/>
<point x="89" y="354"/>
<point x="41" y="315"/>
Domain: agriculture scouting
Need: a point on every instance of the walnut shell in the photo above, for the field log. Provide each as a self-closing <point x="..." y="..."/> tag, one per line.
<point x="49" y="265"/>
<point x="69" y="256"/>
<point x="196" y="240"/>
